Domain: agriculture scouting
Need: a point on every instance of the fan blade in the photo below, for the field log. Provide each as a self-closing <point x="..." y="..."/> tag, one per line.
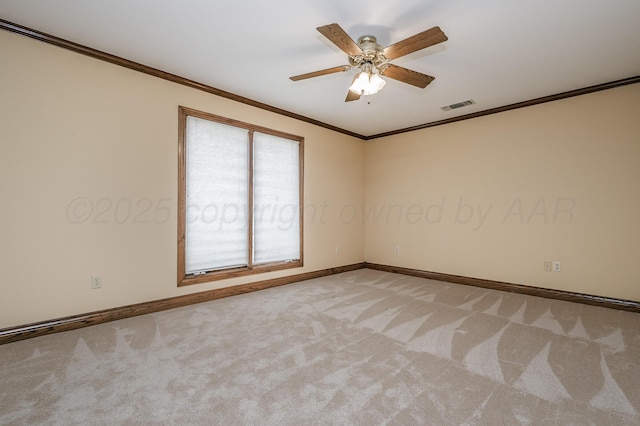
<point x="321" y="72"/>
<point x="340" y="38"/>
<point x="351" y="96"/>
<point x="407" y="76"/>
<point x="414" y="43"/>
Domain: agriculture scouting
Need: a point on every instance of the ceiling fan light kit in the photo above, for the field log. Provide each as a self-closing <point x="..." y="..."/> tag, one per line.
<point x="367" y="82"/>
<point x="373" y="60"/>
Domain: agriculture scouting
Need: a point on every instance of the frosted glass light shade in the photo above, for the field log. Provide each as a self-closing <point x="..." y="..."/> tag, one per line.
<point x="376" y="83"/>
<point x="367" y="83"/>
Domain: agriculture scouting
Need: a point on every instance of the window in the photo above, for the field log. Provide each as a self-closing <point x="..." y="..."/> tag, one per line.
<point x="239" y="200"/>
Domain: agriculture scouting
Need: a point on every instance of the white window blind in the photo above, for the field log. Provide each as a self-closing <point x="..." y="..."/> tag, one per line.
<point x="217" y="194"/>
<point x="276" y="219"/>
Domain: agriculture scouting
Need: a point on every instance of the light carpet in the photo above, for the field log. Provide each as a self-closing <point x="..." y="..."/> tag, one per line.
<point x="359" y="348"/>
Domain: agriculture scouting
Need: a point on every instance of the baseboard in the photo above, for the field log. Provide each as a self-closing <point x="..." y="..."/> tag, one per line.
<point x="606" y="302"/>
<point x="14" y="334"/>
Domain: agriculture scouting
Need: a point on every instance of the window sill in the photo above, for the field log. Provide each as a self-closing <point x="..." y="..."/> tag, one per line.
<point x="225" y="274"/>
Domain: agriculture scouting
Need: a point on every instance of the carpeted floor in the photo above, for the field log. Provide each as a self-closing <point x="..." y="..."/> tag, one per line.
<point x="363" y="348"/>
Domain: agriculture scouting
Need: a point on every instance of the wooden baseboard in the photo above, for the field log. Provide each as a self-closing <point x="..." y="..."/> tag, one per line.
<point x="14" y="334"/>
<point x="606" y="302"/>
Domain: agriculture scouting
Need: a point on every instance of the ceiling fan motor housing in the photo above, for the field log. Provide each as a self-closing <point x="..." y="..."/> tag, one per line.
<point x="372" y="53"/>
<point x="369" y="45"/>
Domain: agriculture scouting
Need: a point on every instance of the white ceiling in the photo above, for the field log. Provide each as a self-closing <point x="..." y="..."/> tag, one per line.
<point x="499" y="52"/>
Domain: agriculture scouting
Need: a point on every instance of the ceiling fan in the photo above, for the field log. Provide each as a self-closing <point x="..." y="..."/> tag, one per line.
<point x="373" y="60"/>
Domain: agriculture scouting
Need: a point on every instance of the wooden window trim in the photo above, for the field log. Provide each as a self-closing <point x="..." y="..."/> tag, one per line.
<point x="222" y="274"/>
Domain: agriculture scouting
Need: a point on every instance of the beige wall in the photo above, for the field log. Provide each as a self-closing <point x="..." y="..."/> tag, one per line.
<point x="80" y="134"/>
<point x="494" y="197"/>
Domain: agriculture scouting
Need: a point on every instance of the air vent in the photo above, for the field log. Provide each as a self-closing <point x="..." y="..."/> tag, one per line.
<point x="458" y="105"/>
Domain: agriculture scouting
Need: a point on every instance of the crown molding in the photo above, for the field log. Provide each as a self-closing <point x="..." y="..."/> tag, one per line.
<point x="97" y="54"/>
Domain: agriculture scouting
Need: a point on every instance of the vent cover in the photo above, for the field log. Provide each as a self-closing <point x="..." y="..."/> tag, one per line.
<point x="458" y="105"/>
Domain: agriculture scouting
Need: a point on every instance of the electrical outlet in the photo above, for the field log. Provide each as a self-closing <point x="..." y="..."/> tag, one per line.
<point x="96" y="282"/>
<point x="556" y="266"/>
<point x="337" y="251"/>
<point x="547" y="266"/>
<point x="397" y="250"/>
